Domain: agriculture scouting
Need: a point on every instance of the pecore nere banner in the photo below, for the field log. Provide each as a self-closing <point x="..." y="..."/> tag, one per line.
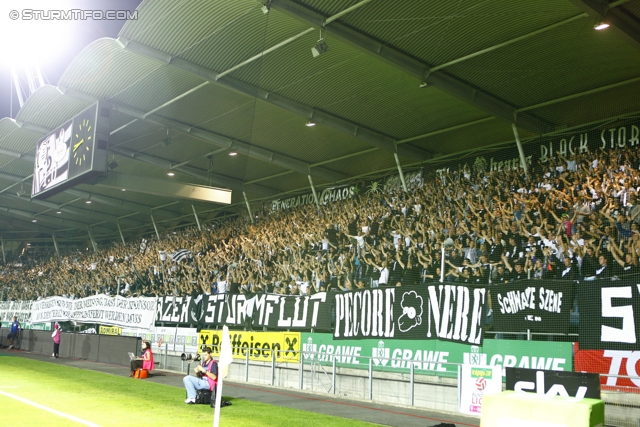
<point x="437" y="311"/>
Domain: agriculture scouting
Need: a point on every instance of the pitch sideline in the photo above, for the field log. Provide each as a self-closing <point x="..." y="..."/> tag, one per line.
<point x="46" y="408"/>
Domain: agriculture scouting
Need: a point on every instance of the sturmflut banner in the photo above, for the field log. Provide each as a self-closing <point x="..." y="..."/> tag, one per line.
<point x="540" y="306"/>
<point x="437" y="311"/>
<point x="102" y="309"/>
<point x="239" y="310"/>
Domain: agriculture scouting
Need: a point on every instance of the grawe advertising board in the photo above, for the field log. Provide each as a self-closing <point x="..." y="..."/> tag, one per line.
<point x="432" y="357"/>
<point x="259" y="345"/>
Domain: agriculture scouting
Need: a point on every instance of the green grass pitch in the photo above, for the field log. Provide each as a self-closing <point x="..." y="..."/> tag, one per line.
<point x="109" y="400"/>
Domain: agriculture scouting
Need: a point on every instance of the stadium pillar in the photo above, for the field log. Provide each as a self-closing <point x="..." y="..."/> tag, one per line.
<point x="155" y="227"/>
<point x="120" y="231"/>
<point x="404" y="184"/>
<point x="93" y="241"/>
<point x="55" y="243"/>
<point x="248" y="207"/>
<point x="523" y="160"/>
<point x="313" y="190"/>
<point x="196" y="215"/>
<point x="4" y="260"/>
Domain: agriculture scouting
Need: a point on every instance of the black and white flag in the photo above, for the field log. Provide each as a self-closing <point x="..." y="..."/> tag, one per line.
<point x="539" y="306"/>
<point x="277" y="312"/>
<point x="179" y="255"/>
<point x="143" y="246"/>
<point x="439" y="311"/>
<point x="610" y="314"/>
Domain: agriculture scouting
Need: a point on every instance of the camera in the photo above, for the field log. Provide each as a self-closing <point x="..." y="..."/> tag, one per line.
<point x="189" y="356"/>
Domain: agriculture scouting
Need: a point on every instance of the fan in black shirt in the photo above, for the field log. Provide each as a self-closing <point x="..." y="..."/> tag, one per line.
<point x="569" y="271"/>
<point x="627" y="266"/>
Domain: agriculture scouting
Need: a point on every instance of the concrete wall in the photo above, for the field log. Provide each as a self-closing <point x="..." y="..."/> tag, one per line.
<point x="99" y="348"/>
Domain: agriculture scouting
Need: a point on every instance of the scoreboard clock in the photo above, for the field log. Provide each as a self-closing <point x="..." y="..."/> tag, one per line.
<point x="73" y="153"/>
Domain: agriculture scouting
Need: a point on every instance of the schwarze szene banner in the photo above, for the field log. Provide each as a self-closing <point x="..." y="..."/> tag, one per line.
<point x="103" y="309"/>
<point x="540" y="306"/>
<point x="239" y="310"/>
<point x="437" y="311"/>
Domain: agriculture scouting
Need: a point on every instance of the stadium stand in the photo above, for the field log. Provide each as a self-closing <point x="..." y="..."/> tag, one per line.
<point x="574" y="219"/>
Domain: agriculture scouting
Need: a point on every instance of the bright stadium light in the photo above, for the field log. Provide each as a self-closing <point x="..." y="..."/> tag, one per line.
<point x="27" y="37"/>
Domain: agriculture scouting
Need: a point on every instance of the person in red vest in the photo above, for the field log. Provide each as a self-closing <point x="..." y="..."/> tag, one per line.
<point x="56" y="340"/>
<point x="206" y="377"/>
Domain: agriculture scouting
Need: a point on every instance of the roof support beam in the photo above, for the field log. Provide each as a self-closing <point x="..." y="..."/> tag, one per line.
<point x="377" y="139"/>
<point x="241" y="147"/>
<point x="622" y="22"/>
<point x="290" y="39"/>
<point x="136" y="207"/>
<point x="416" y="68"/>
<point x="21" y="223"/>
<point x="67" y="209"/>
<point x="508" y="42"/>
<point x="48" y="220"/>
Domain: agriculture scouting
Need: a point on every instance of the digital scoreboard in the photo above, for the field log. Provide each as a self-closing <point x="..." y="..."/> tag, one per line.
<point x="73" y="153"/>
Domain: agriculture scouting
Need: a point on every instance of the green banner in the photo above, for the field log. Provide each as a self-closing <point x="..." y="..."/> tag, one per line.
<point x="434" y="357"/>
<point x="27" y="325"/>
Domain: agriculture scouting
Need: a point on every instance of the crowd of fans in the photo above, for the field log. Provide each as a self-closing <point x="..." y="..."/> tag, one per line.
<point x="572" y="218"/>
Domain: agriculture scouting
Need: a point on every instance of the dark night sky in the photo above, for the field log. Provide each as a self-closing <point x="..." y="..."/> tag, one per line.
<point x="64" y="39"/>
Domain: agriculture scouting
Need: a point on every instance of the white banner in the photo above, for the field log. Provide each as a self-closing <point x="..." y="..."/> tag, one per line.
<point x="20" y="309"/>
<point x="473" y="383"/>
<point x="102" y="309"/>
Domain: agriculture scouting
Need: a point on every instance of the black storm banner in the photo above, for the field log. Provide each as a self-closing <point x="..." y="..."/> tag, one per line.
<point x="437" y="311"/>
<point x="536" y="305"/>
<point x="238" y="310"/>
<point x="610" y="315"/>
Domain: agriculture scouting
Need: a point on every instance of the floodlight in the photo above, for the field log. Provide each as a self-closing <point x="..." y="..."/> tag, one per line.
<point x="310" y="123"/>
<point x="601" y="25"/>
<point x="170" y="173"/>
<point x="233" y="153"/>
<point x="265" y="8"/>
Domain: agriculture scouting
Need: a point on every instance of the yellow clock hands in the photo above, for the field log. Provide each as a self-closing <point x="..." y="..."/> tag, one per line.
<point x="75" y="147"/>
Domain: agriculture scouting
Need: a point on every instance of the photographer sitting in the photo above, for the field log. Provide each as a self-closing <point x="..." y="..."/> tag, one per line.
<point x="206" y="377"/>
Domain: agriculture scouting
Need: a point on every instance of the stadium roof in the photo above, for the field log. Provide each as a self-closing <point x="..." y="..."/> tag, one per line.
<point x="421" y="79"/>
